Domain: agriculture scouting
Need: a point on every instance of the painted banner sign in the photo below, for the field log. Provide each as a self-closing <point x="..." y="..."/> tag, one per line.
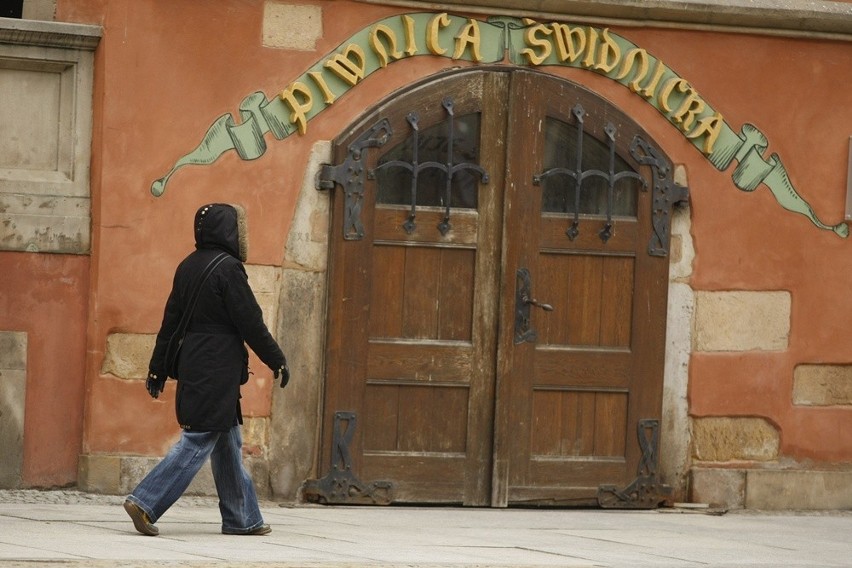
<point x="510" y="41"/>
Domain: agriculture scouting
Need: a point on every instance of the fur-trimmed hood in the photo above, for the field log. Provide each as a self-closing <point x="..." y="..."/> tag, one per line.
<point x="222" y="226"/>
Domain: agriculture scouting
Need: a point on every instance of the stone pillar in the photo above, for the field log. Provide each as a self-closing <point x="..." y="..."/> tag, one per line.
<point x="296" y="410"/>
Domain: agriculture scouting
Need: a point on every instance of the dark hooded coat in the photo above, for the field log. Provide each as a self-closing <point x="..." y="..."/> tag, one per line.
<point x="213" y="359"/>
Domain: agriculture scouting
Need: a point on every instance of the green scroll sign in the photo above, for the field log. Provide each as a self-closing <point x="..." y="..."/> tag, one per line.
<point x="508" y="41"/>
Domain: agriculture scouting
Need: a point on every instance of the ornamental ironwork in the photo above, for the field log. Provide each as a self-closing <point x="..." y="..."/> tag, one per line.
<point x="448" y="167"/>
<point x="579" y="175"/>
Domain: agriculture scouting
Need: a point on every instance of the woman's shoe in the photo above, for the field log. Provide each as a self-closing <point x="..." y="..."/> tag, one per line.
<point x="261" y="530"/>
<point x="140" y="519"/>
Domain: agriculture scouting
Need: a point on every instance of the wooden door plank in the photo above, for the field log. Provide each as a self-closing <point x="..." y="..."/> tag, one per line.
<point x="420" y="362"/>
<point x="385" y="302"/>
<point x="584" y="283"/>
<point x="389" y="221"/>
<point x="616" y="301"/>
<point x="546" y="431"/>
<point x="455" y="295"/>
<point x="381" y="418"/>
<point x="420" y="292"/>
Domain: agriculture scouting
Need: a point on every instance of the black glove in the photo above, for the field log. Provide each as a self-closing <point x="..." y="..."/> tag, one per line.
<point x="155" y="383"/>
<point x="284" y="372"/>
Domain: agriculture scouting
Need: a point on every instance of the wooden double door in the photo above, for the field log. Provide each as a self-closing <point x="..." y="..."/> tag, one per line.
<point x="496" y="323"/>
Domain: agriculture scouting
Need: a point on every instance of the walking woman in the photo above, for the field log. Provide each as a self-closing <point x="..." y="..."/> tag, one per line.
<point x="212" y="364"/>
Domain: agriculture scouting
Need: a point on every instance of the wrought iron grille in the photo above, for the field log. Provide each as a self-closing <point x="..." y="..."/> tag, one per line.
<point x="415" y="167"/>
<point x="578" y="176"/>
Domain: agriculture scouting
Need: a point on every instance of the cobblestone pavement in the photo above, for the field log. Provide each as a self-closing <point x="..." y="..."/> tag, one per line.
<point x="74" y="497"/>
<point x="69" y="529"/>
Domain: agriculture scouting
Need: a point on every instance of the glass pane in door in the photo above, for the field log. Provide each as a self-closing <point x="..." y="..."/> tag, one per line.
<point x="561" y="150"/>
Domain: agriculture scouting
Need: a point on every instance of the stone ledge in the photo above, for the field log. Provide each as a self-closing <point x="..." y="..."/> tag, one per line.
<point x="772" y="490"/>
<point x="112" y="474"/>
<point x="49" y="34"/>
<point x="778" y="17"/>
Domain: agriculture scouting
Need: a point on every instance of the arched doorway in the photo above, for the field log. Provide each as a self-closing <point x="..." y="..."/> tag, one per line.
<point x="497" y="298"/>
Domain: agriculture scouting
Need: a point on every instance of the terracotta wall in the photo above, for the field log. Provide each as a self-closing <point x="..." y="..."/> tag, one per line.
<point x="45" y="296"/>
<point x="167" y="70"/>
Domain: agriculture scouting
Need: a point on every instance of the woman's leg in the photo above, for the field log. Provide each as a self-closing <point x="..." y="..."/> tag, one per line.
<point x="170" y="478"/>
<point x="237" y="497"/>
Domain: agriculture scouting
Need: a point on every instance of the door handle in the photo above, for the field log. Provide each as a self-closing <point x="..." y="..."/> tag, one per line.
<point x="523" y="301"/>
<point x="536" y="303"/>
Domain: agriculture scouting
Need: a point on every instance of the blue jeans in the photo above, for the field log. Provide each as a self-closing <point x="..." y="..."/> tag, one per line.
<point x="170" y="478"/>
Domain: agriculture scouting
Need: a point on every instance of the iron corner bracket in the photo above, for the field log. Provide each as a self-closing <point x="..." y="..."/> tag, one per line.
<point x="341" y="486"/>
<point x="351" y="175"/>
<point x="666" y="193"/>
<point x="646" y="491"/>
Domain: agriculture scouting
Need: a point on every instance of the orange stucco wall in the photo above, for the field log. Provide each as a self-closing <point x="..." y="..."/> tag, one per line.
<point x="166" y="70"/>
<point x="45" y="295"/>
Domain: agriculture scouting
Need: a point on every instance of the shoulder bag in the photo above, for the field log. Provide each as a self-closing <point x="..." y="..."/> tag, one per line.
<point x="176" y="340"/>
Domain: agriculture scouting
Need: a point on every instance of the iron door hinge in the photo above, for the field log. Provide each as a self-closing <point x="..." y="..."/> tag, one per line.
<point x="351" y="175"/>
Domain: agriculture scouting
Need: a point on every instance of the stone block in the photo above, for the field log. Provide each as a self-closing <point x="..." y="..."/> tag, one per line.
<point x="13" y="391"/>
<point x="255" y="436"/>
<point x="98" y="473"/>
<point x="799" y="490"/>
<point x="127" y="355"/>
<point x="681" y="249"/>
<point x="39" y="10"/>
<point x="13" y="394"/>
<point x="718" y="487"/>
<point x="264" y="282"/>
<point x="822" y="385"/>
<point x="289" y="26"/>
<point x="133" y="469"/>
<point x="296" y="410"/>
<point x="13" y="350"/>
<point x="742" y="321"/>
<point x="674" y="438"/>
<point x="721" y="439"/>
<point x="307" y="242"/>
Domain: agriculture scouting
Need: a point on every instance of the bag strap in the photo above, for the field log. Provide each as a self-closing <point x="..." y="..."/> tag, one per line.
<point x="193" y="299"/>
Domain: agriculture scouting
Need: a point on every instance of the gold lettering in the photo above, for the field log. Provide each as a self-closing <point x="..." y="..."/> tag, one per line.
<point x="410" y="43"/>
<point x="650" y="89"/>
<point x="691" y="106"/>
<point x="319" y="81"/>
<point x="672" y="84"/>
<point x="710" y="126"/>
<point x="345" y="67"/>
<point x="532" y="40"/>
<point x="432" y="29"/>
<point x="299" y="108"/>
<point x="376" y="35"/>
<point x="610" y="53"/>
<point x="627" y="67"/>
<point x="592" y="46"/>
<point x="469" y="36"/>
<point x="570" y="42"/>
